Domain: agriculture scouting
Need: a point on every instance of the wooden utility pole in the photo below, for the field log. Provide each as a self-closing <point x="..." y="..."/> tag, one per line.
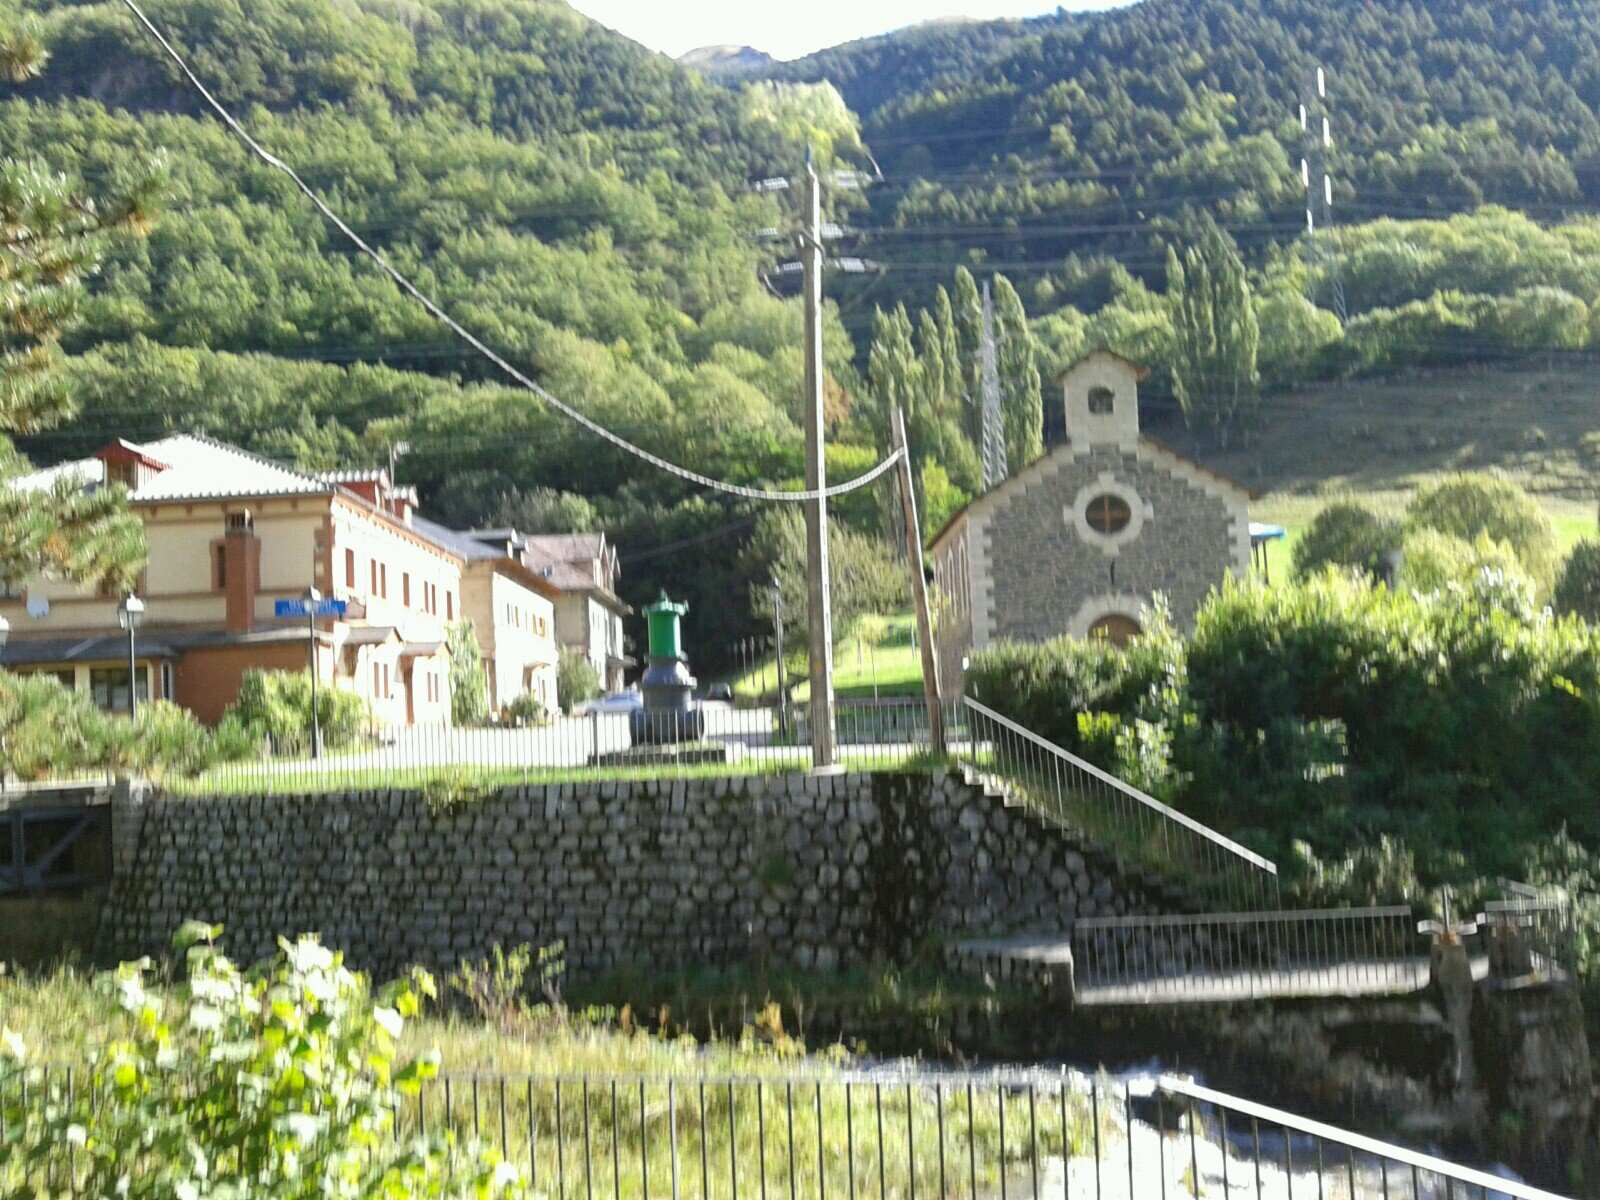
<point x="919" y="587"/>
<point x="819" y="607"/>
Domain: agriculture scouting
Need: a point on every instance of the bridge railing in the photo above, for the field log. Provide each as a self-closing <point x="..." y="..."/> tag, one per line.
<point x="888" y="1134"/>
<point x="1126" y="820"/>
<point x="1247" y="956"/>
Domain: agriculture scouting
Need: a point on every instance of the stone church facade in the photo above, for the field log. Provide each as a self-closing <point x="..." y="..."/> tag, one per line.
<point x="1080" y="541"/>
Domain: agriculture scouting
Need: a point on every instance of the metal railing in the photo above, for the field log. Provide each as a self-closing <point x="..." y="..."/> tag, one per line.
<point x="1235" y="1146"/>
<point x="876" y="1135"/>
<point x="871" y="735"/>
<point x="1530" y="932"/>
<point x="1120" y="816"/>
<point x="1219" y="957"/>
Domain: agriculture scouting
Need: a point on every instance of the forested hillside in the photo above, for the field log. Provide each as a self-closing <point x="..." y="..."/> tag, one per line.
<point x="582" y="204"/>
<point x="578" y="201"/>
<point x="1030" y="138"/>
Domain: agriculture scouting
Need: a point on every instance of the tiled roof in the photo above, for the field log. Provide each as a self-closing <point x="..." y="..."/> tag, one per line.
<point x="197" y="468"/>
<point x="460" y="544"/>
<point x="568" y="547"/>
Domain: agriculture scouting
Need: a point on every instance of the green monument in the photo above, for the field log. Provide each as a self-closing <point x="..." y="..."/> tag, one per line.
<point x="670" y="714"/>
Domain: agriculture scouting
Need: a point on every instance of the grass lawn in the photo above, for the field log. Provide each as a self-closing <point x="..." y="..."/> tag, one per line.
<point x="877" y="656"/>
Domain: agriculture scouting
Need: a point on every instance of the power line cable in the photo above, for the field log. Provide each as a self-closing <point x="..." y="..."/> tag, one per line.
<point x="461" y="331"/>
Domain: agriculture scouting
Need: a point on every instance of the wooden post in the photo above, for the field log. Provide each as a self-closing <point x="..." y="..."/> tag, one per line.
<point x="919" y="588"/>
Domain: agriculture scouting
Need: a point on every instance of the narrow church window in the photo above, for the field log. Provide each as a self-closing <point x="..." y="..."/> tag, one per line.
<point x="1116" y="628"/>
<point x="1101" y="401"/>
<point x="1108" y="514"/>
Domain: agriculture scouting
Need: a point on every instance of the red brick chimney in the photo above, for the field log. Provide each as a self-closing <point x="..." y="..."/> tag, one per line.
<point x="241" y="571"/>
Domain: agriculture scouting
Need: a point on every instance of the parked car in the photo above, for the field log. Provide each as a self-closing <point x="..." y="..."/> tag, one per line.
<point x="616" y="702"/>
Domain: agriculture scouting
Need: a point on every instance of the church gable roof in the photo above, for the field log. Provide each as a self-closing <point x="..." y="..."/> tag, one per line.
<point x="1039" y="465"/>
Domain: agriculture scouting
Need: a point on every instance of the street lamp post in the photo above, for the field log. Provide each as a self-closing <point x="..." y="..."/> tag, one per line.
<point x="129" y="613"/>
<point x="312" y="599"/>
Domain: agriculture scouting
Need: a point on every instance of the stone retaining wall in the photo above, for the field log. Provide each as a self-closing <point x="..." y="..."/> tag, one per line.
<point x="815" y="872"/>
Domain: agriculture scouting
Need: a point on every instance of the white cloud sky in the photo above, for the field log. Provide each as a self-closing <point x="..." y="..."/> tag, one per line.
<point x="787" y="30"/>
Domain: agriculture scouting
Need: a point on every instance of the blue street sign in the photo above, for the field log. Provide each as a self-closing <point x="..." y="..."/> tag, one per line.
<point x="326" y="607"/>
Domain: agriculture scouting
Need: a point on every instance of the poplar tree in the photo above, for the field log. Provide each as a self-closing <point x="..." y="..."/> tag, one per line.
<point x="52" y="237"/>
<point x="968" y="325"/>
<point x="955" y="375"/>
<point x="1215" y="334"/>
<point x="1021" y="394"/>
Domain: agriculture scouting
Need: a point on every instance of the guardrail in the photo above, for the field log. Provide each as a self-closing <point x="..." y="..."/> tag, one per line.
<point x="1219" y="957"/>
<point x="890" y="1134"/>
<point x="1138" y="826"/>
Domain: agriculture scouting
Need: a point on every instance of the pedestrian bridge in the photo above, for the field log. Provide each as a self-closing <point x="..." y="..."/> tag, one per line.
<point x="1237" y="943"/>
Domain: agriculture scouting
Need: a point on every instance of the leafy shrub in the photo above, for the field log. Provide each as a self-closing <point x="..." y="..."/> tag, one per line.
<point x="167" y="739"/>
<point x="576" y="679"/>
<point x="469" y="681"/>
<point x="1469" y="505"/>
<point x="1046" y="685"/>
<point x="284" y="1082"/>
<point x="526" y="709"/>
<point x="1464" y="722"/>
<point x="1344" y="534"/>
<point x="1434" y="560"/>
<point x="1577" y="589"/>
<point x="47" y="729"/>
<point x="274" y="708"/>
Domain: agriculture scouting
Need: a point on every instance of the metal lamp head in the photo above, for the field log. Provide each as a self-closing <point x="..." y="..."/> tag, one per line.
<point x="130" y="612"/>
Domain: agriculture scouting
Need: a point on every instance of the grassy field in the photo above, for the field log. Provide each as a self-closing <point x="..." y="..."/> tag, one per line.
<point x="1378" y="439"/>
<point x="877" y="656"/>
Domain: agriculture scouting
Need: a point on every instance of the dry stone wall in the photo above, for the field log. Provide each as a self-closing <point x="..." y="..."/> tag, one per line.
<point x="817" y="872"/>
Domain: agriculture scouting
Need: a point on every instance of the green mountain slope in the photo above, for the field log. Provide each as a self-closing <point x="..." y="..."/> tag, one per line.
<point x="1129" y="116"/>
<point x="576" y="200"/>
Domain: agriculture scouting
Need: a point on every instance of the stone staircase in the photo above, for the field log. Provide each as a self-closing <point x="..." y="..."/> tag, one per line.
<point x="1043" y="960"/>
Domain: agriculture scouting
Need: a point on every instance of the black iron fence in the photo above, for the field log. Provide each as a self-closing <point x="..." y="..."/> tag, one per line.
<point x="877" y="1135"/>
<point x="603" y="742"/>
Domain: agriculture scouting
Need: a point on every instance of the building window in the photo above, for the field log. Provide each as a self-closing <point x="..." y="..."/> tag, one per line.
<point x="373" y="588"/>
<point x="109" y="687"/>
<point x="1117" y="628"/>
<point x="219" y="568"/>
<point x="449" y="606"/>
<point x="405" y="588"/>
<point x="1101" y="401"/>
<point x="1108" y="514"/>
<point x="350" y="569"/>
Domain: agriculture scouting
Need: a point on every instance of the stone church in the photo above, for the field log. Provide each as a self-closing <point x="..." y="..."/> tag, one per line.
<point x="1080" y="541"/>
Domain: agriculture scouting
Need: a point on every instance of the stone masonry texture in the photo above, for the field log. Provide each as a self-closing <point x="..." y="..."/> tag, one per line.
<point x="1041" y="570"/>
<point x="816" y="872"/>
